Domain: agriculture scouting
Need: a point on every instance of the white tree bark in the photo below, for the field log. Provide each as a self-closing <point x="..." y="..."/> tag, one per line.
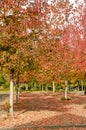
<point x="11" y="97"/>
<point x="66" y="89"/>
<point x="54" y="89"/>
<point x="26" y="87"/>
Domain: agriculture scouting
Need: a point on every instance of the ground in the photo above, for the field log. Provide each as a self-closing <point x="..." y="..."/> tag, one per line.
<point x="41" y="109"/>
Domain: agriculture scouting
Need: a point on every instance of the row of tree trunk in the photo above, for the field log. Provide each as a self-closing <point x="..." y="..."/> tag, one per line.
<point x="18" y="92"/>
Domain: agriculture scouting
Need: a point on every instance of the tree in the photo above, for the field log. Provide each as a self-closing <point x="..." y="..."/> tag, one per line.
<point x="15" y="19"/>
<point x="49" y="48"/>
<point x="19" y="30"/>
<point x="74" y="38"/>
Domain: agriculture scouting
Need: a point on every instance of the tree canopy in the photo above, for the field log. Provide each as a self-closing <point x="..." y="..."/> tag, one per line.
<point x="43" y="40"/>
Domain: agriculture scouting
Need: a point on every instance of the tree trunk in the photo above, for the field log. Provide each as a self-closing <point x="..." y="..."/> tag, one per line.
<point x="17" y="88"/>
<point x="82" y="84"/>
<point x="11" y="93"/>
<point x="46" y="88"/>
<point x="35" y="86"/>
<point x="78" y="87"/>
<point x="66" y="89"/>
<point x="42" y="87"/>
<point x="17" y="94"/>
<point x="53" y="87"/>
<point x="26" y="87"/>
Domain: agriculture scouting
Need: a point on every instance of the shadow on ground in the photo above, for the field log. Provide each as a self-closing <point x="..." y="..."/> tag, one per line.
<point x="51" y="102"/>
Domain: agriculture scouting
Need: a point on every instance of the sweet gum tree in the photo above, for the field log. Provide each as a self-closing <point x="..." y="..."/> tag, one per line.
<point x="17" y="18"/>
<point x="50" y="51"/>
